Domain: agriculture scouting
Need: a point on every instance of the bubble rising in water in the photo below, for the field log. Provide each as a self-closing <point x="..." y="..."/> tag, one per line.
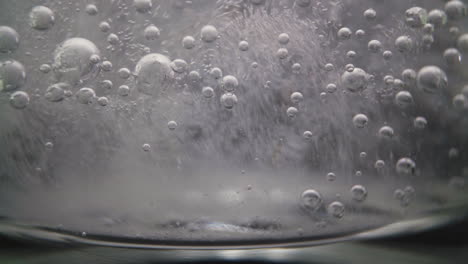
<point x="72" y="60"/>
<point x="360" y="121"/>
<point x="19" y="100"/>
<point x="85" y="95"/>
<point x="188" y="42"/>
<point x="432" y="79"/>
<point x="12" y="75"/>
<point x="416" y="17"/>
<point x="41" y="18"/>
<point x="230" y="83"/>
<point x="153" y="73"/>
<point x="354" y="81"/>
<point x="311" y="200"/>
<point x="142" y="6"/>
<point x="209" y="33"/>
<point x="228" y="100"/>
<point x="56" y="92"/>
<point x="405" y="166"/>
<point x="151" y="32"/>
<point x="9" y="39"/>
<point x="359" y="193"/>
<point x="336" y="209"/>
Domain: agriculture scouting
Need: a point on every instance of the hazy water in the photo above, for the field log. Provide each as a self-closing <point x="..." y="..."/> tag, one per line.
<point x="231" y="120"/>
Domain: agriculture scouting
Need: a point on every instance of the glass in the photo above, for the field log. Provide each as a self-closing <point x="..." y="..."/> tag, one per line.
<point x="231" y="124"/>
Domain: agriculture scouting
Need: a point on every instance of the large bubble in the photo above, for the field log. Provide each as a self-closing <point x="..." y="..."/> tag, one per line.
<point x="72" y="60"/>
<point x="153" y="73"/>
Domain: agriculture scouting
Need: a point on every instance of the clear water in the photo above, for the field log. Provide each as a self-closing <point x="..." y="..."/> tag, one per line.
<point x="247" y="123"/>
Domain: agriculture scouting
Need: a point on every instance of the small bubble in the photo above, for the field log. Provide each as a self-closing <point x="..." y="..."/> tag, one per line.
<point x="282" y="53"/>
<point x="311" y="200"/>
<point x="19" y="100"/>
<point x="370" y="14"/>
<point x="103" y="101"/>
<point x="172" y="125"/>
<point x="228" y="100"/>
<point x="41" y="18"/>
<point x="307" y="135"/>
<point x="336" y="209"/>
<point x="292" y="112"/>
<point x="230" y="83"/>
<point x="359" y="193"/>
<point x="216" y="73"/>
<point x="209" y="33"/>
<point x="85" y="95"/>
<point x="416" y="17"/>
<point x="123" y="90"/>
<point x="179" y="65"/>
<point x="207" y="92"/>
<point x="296" y="97"/>
<point x="374" y="46"/>
<point x="283" y="38"/>
<point x="243" y="45"/>
<point x="405" y="166"/>
<point x="344" y="33"/>
<point x="91" y="10"/>
<point x="188" y="42"/>
<point x="360" y="120"/>
<point x="146" y="147"/>
<point x="151" y="32"/>
<point x="331" y="177"/>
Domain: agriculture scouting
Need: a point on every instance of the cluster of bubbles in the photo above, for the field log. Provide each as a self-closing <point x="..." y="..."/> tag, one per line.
<point x="76" y="60"/>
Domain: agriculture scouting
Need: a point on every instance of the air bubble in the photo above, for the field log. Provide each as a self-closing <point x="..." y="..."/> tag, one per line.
<point x="354" y="81"/>
<point x="405" y="166"/>
<point x="386" y="132"/>
<point x="142" y="6"/>
<point x="331" y="177"/>
<point x="344" y="33"/>
<point x="146" y="147"/>
<point x="179" y="65"/>
<point x="370" y="14"/>
<point x="360" y="120"/>
<point x="403" y="99"/>
<point x="292" y="112"/>
<point x="283" y="38"/>
<point x="452" y="56"/>
<point x="230" y="83"/>
<point x="216" y="73"/>
<point x="9" y="39"/>
<point x="455" y="9"/>
<point x="56" y="92"/>
<point x="336" y="209"/>
<point x="296" y="97"/>
<point x="307" y="135"/>
<point x="209" y="33"/>
<point x="172" y="125"/>
<point x="207" y="92"/>
<point x="188" y="42"/>
<point x="282" y="53"/>
<point x="91" y="10"/>
<point x="416" y="17"/>
<point x="228" y="100"/>
<point x="85" y="95"/>
<point x="437" y="17"/>
<point x="123" y="90"/>
<point x="41" y="18"/>
<point x="153" y="73"/>
<point x="151" y="32"/>
<point x="243" y="45"/>
<point x="311" y="200"/>
<point x="432" y="79"/>
<point x="374" y="46"/>
<point x="359" y="193"/>
<point x="103" y="101"/>
<point x="19" y="100"/>
<point x="12" y="75"/>
<point x="404" y="44"/>
<point x="331" y="88"/>
<point x="72" y="60"/>
<point x="420" y="122"/>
